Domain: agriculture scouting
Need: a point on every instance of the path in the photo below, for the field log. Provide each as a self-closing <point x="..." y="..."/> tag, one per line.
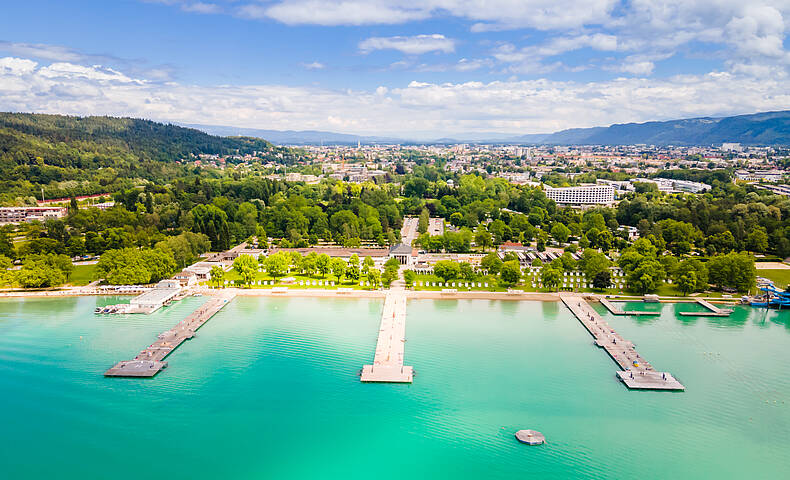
<point x="149" y="362"/>
<point x="637" y="373"/>
<point x="388" y="360"/>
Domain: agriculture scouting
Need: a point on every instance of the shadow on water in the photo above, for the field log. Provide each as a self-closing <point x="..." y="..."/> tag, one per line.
<point x="550" y="310"/>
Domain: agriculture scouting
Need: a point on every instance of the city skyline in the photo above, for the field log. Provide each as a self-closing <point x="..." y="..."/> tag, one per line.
<point x="387" y="68"/>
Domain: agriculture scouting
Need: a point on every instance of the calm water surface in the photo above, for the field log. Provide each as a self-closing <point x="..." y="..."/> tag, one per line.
<point x="269" y="389"/>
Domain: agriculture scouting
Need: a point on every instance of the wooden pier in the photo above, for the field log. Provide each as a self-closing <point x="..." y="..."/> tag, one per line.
<point x="618" y="311"/>
<point x="388" y="360"/>
<point x="637" y="373"/>
<point x="713" y="310"/>
<point x="150" y="361"/>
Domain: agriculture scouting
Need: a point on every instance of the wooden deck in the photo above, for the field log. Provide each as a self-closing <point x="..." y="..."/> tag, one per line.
<point x="637" y="373"/>
<point x="614" y="310"/>
<point x="713" y="310"/>
<point x="149" y="362"/>
<point x="388" y="361"/>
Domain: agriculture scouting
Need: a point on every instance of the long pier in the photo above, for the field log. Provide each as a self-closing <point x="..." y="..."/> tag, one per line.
<point x="388" y="361"/>
<point x="713" y="310"/>
<point x="150" y="361"/>
<point x="614" y="310"/>
<point x="636" y="372"/>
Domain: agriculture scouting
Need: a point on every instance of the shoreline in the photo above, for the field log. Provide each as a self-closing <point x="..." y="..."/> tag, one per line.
<point x="353" y="293"/>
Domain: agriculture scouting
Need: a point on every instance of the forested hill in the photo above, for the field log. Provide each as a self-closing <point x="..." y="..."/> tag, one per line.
<point x="151" y="140"/>
<point x="768" y="128"/>
<point x="83" y="155"/>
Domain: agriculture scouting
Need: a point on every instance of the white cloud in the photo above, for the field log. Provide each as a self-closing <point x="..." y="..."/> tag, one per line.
<point x="345" y="12"/>
<point x="201" y="7"/>
<point x="16" y="66"/>
<point x="414" y="45"/>
<point x="314" y="66"/>
<point x="419" y="109"/>
<point x="749" y="32"/>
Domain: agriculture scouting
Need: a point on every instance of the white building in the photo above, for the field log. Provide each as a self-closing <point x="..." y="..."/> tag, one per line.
<point x="584" y="195"/>
<point x="731" y="147"/>
<point x="29" y="214"/>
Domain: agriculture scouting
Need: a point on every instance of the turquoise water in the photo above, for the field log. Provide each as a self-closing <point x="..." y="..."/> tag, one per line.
<point x="269" y="389"/>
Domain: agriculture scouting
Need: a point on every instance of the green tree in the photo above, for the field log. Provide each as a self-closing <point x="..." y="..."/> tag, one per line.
<point x="593" y="262"/>
<point x="757" y="240"/>
<point x="323" y="264"/>
<point x="338" y="268"/>
<point x="646" y="277"/>
<point x="687" y="283"/>
<point x="602" y="279"/>
<point x="560" y="232"/>
<point x="217" y="275"/>
<point x="491" y="263"/>
<point x="352" y="271"/>
<point x="367" y="264"/>
<point x="483" y="237"/>
<point x="692" y="269"/>
<point x="246" y="267"/>
<point x="466" y="271"/>
<point x="276" y="264"/>
<point x="551" y="277"/>
<point x="390" y="274"/>
<point x="734" y="270"/>
<point x="422" y="223"/>
<point x="447" y="270"/>
<point x="373" y="277"/>
<point x="409" y="276"/>
<point x="510" y="273"/>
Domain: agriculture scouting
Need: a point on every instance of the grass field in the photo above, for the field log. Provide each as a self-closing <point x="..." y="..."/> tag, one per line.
<point x="82" y="275"/>
<point x="780" y="277"/>
<point x="346" y="283"/>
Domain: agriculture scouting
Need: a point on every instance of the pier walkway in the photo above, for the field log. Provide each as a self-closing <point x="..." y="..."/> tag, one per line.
<point x="618" y="311"/>
<point x="713" y="310"/>
<point x="150" y="361"/>
<point x="388" y="360"/>
<point x="637" y="373"/>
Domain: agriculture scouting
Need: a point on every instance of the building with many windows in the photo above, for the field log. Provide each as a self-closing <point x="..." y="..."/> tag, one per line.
<point x="28" y="214"/>
<point x="584" y="195"/>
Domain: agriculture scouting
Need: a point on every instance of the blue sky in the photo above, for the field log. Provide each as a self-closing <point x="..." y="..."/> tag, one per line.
<point x="395" y="67"/>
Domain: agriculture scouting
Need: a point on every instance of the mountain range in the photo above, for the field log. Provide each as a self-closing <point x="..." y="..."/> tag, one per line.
<point x="767" y="128"/>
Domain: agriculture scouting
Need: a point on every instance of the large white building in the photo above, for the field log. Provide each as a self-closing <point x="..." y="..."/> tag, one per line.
<point x="584" y="195"/>
<point x="28" y="214"/>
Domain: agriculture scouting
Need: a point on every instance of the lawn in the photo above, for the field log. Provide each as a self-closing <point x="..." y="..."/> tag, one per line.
<point x="781" y="277"/>
<point x="493" y="284"/>
<point x="82" y="275"/>
<point x="346" y="283"/>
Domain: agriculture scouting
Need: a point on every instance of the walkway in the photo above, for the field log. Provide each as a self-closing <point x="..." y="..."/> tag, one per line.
<point x="618" y="311"/>
<point x="149" y="362"/>
<point x="714" y="311"/>
<point x="388" y="361"/>
<point x="637" y="372"/>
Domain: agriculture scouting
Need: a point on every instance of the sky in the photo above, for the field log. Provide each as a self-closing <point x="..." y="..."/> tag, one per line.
<point x="414" y="69"/>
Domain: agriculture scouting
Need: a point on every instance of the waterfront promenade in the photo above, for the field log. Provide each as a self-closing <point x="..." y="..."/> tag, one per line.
<point x="388" y="361"/>
<point x="150" y="361"/>
<point x="636" y="372"/>
<point x="713" y="310"/>
<point x="615" y="310"/>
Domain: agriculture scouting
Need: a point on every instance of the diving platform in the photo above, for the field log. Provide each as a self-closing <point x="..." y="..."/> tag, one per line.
<point x="614" y="310"/>
<point x="713" y="310"/>
<point x="150" y="361"/>
<point x="636" y="372"/>
<point x="388" y="360"/>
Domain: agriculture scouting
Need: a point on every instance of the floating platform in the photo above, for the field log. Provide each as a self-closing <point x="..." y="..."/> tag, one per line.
<point x="614" y="310"/>
<point x="530" y="437"/>
<point x="713" y="310"/>
<point x="649" y="380"/>
<point x="636" y="372"/>
<point x="388" y="361"/>
<point x="149" y="362"/>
